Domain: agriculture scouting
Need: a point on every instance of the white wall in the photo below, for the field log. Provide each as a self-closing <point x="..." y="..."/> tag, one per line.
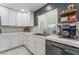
<point x="45" y="19"/>
<point x="50" y="17"/>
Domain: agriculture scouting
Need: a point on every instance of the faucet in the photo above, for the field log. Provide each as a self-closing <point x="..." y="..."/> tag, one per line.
<point x="45" y="32"/>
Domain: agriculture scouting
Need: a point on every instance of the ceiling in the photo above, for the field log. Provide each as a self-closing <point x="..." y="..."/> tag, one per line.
<point x="25" y="6"/>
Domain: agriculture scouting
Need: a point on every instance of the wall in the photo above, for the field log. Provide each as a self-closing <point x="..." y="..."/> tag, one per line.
<point x="60" y="7"/>
<point x="9" y="29"/>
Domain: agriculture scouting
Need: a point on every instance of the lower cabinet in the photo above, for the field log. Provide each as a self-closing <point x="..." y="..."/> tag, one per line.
<point x="37" y="45"/>
<point x="40" y="46"/>
<point x="26" y="41"/>
<point x="21" y="39"/>
<point x="14" y="41"/>
<point x="4" y="43"/>
<point x="31" y="44"/>
<point x="34" y="43"/>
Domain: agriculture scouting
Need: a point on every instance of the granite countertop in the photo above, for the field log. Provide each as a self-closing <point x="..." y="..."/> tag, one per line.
<point x="54" y="38"/>
<point x="66" y="41"/>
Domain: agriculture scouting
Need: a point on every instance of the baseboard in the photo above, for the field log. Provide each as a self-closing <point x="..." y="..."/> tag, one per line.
<point x="15" y="48"/>
<point x="28" y="50"/>
<point x="11" y="49"/>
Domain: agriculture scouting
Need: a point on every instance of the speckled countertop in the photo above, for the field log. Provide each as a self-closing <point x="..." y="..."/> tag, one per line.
<point x="66" y="41"/>
<point x="54" y="38"/>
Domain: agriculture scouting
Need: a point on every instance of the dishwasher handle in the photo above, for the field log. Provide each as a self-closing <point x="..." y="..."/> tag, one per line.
<point x="69" y="51"/>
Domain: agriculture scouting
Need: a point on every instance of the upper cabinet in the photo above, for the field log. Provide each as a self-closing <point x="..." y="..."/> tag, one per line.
<point x="24" y="19"/>
<point x="4" y="15"/>
<point x="19" y="19"/>
<point x="12" y="17"/>
<point x="31" y="18"/>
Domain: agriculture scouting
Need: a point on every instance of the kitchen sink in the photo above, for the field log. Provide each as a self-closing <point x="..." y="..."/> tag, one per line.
<point x="40" y="34"/>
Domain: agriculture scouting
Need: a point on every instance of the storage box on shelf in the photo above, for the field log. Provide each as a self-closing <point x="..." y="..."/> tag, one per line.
<point x="68" y="13"/>
<point x="68" y="21"/>
<point x="68" y="18"/>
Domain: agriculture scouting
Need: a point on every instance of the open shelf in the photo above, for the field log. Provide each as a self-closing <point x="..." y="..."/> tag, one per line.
<point x="72" y="12"/>
<point x="68" y="21"/>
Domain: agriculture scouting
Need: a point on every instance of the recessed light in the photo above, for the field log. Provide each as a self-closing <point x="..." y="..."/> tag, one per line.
<point x="22" y="10"/>
<point x="49" y="7"/>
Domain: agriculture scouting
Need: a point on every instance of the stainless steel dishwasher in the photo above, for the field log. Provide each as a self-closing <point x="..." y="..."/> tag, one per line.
<point x="55" y="48"/>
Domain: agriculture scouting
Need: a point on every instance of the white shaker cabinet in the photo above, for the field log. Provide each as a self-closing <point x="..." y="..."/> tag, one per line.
<point x="30" y="18"/>
<point x="24" y="19"/>
<point x="4" y="43"/>
<point x="12" y="17"/>
<point x="21" y="39"/>
<point x="31" y="44"/>
<point x="19" y="19"/>
<point x="14" y="41"/>
<point x="37" y="45"/>
<point x="26" y="41"/>
<point x="4" y="15"/>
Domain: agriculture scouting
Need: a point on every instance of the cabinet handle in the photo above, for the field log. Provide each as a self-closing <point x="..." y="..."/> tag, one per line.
<point x="70" y="51"/>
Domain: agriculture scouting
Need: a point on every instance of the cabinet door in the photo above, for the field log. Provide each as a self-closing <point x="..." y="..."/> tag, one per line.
<point x="19" y="19"/>
<point x="14" y="41"/>
<point x="39" y="45"/>
<point x="24" y="19"/>
<point x="30" y="18"/>
<point x="4" y="43"/>
<point x="31" y="45"/>
<point x="26" y="41"/>
<point x="12" y="17"/>
<point x="21" y="39"/>
<point x="4" y="15"/>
